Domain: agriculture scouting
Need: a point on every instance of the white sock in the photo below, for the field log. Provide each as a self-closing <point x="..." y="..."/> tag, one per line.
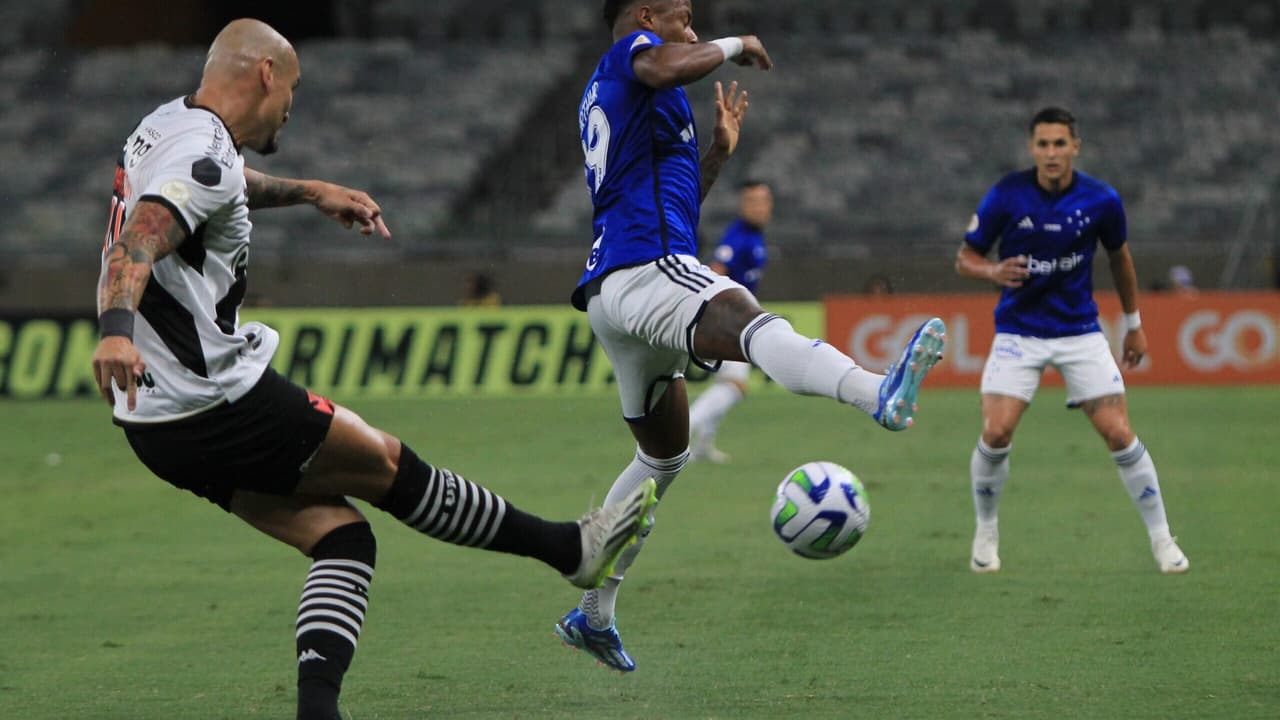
<point x="988" y="469"/>
<point x="806" y="366"/>
<point x="599" y="604"/>
<point x="709" y="409"/>
<point x="1138" y="473"/>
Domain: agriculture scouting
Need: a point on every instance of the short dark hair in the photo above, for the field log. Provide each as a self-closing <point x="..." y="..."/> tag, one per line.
<point x="1053" y="116"/>
<point x="614" y="8"/>
<point x="752" y="183"/>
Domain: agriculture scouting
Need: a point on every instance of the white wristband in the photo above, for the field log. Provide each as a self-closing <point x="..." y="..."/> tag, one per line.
<point x="1132" y="321"/>
<point x="730" y="46"/>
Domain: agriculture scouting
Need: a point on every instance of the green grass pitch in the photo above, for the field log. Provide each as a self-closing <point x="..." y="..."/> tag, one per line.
<point x="123" y="598"/>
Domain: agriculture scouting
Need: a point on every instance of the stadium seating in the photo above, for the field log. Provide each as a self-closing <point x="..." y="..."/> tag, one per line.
<point x="891" y="141"/>
<point x="881" y="127"/>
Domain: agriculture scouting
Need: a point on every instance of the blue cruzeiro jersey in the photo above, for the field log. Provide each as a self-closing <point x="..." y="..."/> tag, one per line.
<point x="742" y="251"/>
<point x="641" y="150"/>
<point x="1059" y="234"/>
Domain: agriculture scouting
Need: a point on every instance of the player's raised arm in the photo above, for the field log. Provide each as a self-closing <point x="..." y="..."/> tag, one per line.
<point x="673" y="65"/>
<point x="345" y="205"/>
<point x="151" y="232"/>
<point x="730" y="110"/>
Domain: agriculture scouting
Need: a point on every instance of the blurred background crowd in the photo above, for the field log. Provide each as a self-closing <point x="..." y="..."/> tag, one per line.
<point x="880" y="129"/>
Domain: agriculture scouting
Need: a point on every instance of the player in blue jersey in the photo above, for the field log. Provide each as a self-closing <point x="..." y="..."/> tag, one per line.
<point x="742" y="255"/>
<point x="651" y="304"/>
<point x="1047" y="223"/>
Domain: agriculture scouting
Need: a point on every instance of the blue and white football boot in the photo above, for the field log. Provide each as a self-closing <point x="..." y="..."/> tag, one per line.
<point x="603" y="645"/>
<point x="901" y="384"/>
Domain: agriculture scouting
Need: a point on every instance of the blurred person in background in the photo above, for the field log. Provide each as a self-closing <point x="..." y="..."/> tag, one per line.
<point x="878" y="284"/>
<point x="651" y="304"/>
<point x="199" y="404"/>
<point x="742" y="256"/>
<point x="1182" y="282"/>
<point x="478" y="291"/>
<point x="1048" y="222"/>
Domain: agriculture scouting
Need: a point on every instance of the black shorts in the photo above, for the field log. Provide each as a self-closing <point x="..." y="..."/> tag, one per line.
<point x="262" y="442"/>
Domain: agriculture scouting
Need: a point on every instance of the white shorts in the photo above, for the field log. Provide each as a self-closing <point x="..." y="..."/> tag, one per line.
<point x="644" y="318"/>
<point x="1016" y="363"/>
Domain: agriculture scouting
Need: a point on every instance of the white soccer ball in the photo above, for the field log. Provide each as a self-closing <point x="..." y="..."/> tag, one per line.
<point x="821" y="510"/>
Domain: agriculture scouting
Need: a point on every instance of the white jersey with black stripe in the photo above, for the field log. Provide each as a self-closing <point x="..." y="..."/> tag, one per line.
<point x="187" y="328"/>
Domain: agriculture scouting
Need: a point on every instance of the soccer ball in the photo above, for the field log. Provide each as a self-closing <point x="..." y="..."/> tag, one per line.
<point x="821" y="510"/>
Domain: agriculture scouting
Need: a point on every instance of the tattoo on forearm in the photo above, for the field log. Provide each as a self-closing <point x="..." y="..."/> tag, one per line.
<point x="150" y="233"/>
<point x="265" y="191"/>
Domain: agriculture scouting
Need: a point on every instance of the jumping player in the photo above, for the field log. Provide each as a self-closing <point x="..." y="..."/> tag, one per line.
<point x="651" y="304"/>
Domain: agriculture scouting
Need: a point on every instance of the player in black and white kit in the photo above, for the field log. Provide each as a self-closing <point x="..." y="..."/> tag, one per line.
<point x="192" y="389"/>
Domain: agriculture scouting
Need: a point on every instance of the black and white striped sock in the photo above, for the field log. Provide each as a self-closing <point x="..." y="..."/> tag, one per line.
<point x="448" y="507"/>
<point x="331" y="612"/>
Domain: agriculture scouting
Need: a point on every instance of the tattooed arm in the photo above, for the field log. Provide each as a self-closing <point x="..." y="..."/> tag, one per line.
<point x="265" y="191"/>
<point x="347" y="206"/>
<point x="151" y="232"/>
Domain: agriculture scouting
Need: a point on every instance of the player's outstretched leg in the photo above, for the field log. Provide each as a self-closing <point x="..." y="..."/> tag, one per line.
<point x="897" y="397"/>
<point x="445" y="506"/>
<point x="806" y="366"/>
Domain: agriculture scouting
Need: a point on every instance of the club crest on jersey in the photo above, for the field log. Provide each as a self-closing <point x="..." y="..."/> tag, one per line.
<point x="176" y="192"/>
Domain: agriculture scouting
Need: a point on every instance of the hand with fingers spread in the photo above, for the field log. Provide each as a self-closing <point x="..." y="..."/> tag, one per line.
<point x="730" y="110"/>
<point x="350" y="207"/>
<point x="117" y="359"/>
<point x="753" y="53"/>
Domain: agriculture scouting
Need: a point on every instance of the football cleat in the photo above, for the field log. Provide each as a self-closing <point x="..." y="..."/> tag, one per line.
<point x="607" y="531"/>
<point x="986" y="551"/>
<point x="1169" y="556"/>
<point x="603" y="645"/>
<point x="706" y="452"/>
<point x="897" y="406"/>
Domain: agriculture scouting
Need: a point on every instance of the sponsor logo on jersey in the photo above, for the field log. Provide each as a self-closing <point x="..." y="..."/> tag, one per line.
<point x="220" y="147"/>
<point x="1066" y="263"/>
<point x="973" y="223"/>
<point x="320" y="403"/>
